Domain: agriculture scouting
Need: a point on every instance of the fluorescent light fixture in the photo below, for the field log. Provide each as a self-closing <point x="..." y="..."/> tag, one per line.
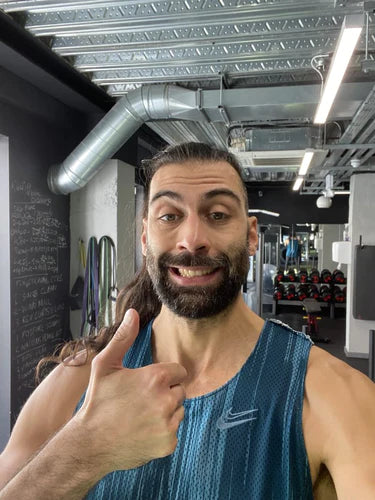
<point x="298" y="183"/>
<point x="350" y="30"/>
<point x="341" y="192"/>
<point x="266" y="212"/>
<point x="308" y="156"/>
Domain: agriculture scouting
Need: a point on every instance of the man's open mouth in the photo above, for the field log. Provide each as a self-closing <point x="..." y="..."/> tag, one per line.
<point x="192" y="273"/>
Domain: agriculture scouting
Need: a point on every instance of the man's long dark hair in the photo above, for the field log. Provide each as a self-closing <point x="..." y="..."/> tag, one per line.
<point x="139" y="294"/>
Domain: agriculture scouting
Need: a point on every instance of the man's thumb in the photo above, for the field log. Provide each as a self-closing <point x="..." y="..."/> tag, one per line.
<point x="112" y="355"/>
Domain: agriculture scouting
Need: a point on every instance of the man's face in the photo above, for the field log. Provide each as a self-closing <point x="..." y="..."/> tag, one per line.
<point x="196" y="237"/>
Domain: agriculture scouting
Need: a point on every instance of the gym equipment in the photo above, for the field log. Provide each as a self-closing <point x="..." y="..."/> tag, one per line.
<point x="326" y="276"/>
<point x="278" y="294"/>
<point x="338" y="295"/>
<point x="302" y="292"/>
<point x="325" y="293"/>
<point x="313" y="292"/>
<point x="291" y="275"/>
<point x="279" y="277"/>
<point x="290" y="293"/>
<point x="303" y="276"/>
<point x="313" y="308"/>
<point x="314" y="276"/>
<point x="338" y="276"/>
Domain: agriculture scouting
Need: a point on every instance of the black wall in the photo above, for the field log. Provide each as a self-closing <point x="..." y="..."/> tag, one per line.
<point x="41" y="132"/>
<point x="295" y="208"/>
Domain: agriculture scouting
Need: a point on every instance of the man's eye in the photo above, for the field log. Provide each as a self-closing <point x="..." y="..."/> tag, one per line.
<point x="217" y="216"/>
<point x="169" y="217"/>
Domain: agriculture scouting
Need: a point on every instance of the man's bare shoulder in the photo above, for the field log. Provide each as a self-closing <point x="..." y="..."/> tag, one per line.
<point x="49" y="407"/>
<point x="330" y="376"/>
<point x="339" y="423"/>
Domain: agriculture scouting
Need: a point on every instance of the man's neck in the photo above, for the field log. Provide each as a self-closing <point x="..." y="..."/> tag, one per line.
<point x="211" y="349"/>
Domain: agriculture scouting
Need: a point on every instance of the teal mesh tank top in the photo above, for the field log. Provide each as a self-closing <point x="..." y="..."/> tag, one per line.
<point x="241" y="441"/>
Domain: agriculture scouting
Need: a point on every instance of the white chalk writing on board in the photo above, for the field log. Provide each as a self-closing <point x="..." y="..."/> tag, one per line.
<point x="40" y="243"/>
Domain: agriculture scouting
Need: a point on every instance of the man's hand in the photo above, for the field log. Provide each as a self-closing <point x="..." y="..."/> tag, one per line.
<point x="131" y="415"/>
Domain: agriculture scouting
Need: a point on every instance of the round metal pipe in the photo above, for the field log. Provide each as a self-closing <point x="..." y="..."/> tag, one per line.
<point x="153" y="102"/>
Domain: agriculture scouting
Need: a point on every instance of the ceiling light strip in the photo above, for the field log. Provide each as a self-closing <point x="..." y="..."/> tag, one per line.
<point x="348" y="38"/>
<point x="298" y="183"/>
<point x="265" y="212"/>
<point x="306" y="161"/>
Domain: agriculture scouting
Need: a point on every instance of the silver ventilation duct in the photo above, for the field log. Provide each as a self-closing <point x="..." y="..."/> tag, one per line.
<point x="153" y="102"/>
<point x="179" y="114"/>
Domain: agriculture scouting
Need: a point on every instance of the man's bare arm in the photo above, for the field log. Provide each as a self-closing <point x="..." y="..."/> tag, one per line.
<point x="66" y="468"/>
<point x="128" y="418"/>
<point x="47" y="410"/>
<point x="342" y="402"/>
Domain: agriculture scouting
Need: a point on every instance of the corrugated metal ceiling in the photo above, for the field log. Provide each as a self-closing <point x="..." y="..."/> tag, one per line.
<point x="211" y="44"/>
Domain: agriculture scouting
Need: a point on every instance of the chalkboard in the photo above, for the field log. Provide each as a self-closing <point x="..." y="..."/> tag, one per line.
<point x="39" y="233"/>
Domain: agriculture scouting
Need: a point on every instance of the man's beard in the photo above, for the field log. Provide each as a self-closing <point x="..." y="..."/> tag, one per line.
<point x="197" y="302"/>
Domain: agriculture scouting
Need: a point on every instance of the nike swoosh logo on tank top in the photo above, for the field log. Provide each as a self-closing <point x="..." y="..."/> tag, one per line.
<point x="229" y="419"/>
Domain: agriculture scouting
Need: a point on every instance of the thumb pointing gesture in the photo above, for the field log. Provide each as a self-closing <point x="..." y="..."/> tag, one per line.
<point x="110" y="358"/>
<point x="133" y="413"/>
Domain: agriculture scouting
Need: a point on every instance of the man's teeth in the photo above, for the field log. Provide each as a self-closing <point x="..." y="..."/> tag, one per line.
<point x="187" y="273"/>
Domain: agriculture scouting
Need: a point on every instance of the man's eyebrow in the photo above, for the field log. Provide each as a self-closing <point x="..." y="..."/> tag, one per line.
<point x="221" y="192"/>
<point x="207" y="196"/>
<point x="169" y="194"/>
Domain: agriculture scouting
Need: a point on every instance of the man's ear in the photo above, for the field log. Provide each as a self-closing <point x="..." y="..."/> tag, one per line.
<point x="253" y="235"/>
<point x="144" y="237"/>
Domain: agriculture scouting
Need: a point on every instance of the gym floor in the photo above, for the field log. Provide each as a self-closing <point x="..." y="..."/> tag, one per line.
<point x="334" y="329"/>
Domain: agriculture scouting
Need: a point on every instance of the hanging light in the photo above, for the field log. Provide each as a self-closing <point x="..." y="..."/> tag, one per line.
<point x="350" y="31"/>
<point x="298" y="183"/>
<point x="306" y="161"/>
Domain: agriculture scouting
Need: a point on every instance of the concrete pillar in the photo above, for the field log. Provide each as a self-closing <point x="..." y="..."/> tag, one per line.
<point x="104" y="207"/>
<point x="361" y="222"/>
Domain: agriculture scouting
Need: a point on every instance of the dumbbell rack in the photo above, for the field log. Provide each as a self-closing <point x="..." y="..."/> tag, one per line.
<point x="332" y="304"/>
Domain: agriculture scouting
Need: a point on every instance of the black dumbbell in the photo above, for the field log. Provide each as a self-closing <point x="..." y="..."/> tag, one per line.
<point x="326" y="276"/>
<point x="314" y="276"/>
<point x="338" y="276"/>
<point x="279" y="277"/>
<point x="325" y="293"/>
<point x="303" y="276"/>
<point x="290" y="292"/>
<point x="302" y="293"/>
<point x="313" y="292"/>
<point x="291" y="275"/>
<point x="338" y="295"/>
<point x="279" y="291"/>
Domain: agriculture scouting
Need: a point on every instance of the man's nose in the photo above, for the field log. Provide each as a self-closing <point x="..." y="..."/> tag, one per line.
<point x="192" y="235"/>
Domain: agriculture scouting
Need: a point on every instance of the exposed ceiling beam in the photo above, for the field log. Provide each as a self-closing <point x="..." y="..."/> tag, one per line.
<point x="235" y="62"/>
<point x="133" y="17"/>
<point x="27" y="55"/>
<point x="257" y="42"/>
<point x="66" y="5"/>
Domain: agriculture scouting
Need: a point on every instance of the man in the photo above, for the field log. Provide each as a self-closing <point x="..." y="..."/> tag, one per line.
<point x="213" y="402"/>
<point x="293" y="252"/>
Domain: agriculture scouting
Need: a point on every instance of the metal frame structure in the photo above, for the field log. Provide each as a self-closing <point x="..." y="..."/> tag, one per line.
<point x="260" y="50"/>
